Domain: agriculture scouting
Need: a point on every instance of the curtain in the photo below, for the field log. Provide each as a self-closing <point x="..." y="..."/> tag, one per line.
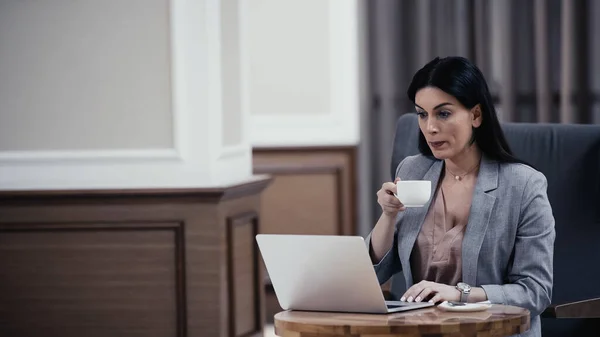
<point x="541" y="59"/>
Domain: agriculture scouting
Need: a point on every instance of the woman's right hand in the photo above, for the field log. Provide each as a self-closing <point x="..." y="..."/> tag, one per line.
<point x="390" y="205"/>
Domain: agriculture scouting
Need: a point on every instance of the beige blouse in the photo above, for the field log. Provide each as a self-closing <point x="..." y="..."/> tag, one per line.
<point x="436" y="255"/>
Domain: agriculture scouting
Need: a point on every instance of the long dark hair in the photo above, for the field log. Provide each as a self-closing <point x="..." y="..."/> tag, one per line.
<point x="459" y="77"/>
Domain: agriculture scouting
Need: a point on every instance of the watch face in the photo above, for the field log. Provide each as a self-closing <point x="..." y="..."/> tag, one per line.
<point x="463" y="286"/>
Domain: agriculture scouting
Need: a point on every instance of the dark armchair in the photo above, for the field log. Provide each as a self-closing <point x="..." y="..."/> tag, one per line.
<point x="569" y="156"/>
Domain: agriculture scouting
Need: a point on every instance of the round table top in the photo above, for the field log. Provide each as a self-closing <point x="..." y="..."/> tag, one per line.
<point x="499" y="320"/>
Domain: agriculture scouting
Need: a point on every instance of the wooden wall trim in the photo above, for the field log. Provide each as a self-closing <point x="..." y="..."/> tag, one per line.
<point x="318" y="166"/>
<point x="213" y="195"/>
<point x="340" y="209"/>
<point x="312" y="149"/>
<point x="336" y="170"/>
<point x="181" y="286"/>
<point x="176" y="226"/>
<point x="233" y="221"/>
<point x="296" y="168"/>
<point x="92" y="225"/>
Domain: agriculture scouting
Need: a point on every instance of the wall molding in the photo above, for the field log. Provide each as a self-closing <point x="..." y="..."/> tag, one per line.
<point x="340" y="125"/>
<point x="88" y="156"/>
<point x="305" y="161"/>
<point x="234" y="151"/>
<point x="179" y="118"/>
<point x="302" y="169"/>
<point x="197" y="159"/>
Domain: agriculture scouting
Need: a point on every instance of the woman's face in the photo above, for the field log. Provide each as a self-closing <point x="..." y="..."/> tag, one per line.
<point x="446" y="124"/>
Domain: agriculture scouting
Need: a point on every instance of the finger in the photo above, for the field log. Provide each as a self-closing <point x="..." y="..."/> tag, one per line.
<point x="387" y="195"/>
<point x="390" y="205"/>
<point x="394" y="208"/>
<point x="384" y="195"/>
<point x="390" y="199"/>
<point x="420" y="288"/>
<point x="396" y="180"/>
<point x="389" y="187"/>
<point x="411" y="293"/>
<point x="406" y="294"/>
<point x="424" y="294"/>
<point x="436" y="298"/>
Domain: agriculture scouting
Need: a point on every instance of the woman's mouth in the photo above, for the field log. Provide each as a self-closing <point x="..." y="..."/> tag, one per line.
<point x="436" y="145"/>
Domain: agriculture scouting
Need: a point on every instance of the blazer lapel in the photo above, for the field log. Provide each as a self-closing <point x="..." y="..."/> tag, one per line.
<point x="479" y="217"/>
<point x="413" y="220"/>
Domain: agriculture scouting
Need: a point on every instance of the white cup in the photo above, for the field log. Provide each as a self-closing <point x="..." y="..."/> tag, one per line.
<point x="413" y="193"/>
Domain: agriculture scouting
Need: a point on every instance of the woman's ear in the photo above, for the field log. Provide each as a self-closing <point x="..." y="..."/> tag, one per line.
<point x="477" y="116"/>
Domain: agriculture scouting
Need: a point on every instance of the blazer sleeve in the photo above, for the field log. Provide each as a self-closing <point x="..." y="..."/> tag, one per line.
<point x="530" y="274"/>
<point x="390" y="263"/>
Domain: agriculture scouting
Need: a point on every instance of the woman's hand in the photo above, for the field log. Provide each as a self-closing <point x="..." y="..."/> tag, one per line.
<point x="390" y="205"/>
<point x="432" y="292"/>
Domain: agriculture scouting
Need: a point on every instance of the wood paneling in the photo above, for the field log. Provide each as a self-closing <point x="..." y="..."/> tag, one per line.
<point x="122" y="264"/>
<point x="246" y="287"/>
<point x="303" y="203"/>
<point x="313" y="190"/>
<point x="71" y="278"/>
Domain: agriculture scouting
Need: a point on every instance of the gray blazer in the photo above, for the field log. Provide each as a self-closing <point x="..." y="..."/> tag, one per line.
<point x="508" y="244"/>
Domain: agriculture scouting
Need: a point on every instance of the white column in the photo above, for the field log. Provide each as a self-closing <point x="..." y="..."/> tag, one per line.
<point x="121" y="94"/>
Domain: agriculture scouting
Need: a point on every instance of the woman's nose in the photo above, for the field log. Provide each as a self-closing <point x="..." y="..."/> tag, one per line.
<point x="432" y="126"/>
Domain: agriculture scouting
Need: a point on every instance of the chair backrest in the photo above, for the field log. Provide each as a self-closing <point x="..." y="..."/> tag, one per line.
<point x="569" y="157"/>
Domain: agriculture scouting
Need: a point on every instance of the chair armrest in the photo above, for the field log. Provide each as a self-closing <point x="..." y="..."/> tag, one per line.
<point x="581" y="309"/>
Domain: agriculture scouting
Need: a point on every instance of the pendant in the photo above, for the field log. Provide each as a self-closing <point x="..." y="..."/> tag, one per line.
<point x="457" y="178"/>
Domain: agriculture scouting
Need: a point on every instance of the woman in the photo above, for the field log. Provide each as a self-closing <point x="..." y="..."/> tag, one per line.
<point x="487" y="232"/>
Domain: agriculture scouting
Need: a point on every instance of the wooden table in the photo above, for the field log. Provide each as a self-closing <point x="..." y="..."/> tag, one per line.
<point x="499" y="320"/>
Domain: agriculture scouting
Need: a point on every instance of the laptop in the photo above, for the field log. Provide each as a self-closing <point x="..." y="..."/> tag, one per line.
<point x="325" y="273"/>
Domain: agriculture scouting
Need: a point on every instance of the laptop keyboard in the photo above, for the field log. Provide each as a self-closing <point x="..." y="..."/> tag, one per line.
<point x="398" y="304"/>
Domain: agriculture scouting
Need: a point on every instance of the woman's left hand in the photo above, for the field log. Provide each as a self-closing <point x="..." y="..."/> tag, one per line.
<point x="432" y="292"/>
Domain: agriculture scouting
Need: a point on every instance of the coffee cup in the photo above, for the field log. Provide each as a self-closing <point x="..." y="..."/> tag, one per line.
<point x="413" y="193"/>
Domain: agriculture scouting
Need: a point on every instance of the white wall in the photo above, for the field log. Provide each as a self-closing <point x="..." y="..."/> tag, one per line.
<point x="301" y="63"/>
<point x="79" y="75"/>
<point x="121" y="94"/>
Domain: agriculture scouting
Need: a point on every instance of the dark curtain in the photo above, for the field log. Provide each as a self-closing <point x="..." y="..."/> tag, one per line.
<point x="541" y="59"/>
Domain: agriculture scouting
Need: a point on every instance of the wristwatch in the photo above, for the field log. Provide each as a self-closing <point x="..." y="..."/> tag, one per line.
<point x="465" y="290"/>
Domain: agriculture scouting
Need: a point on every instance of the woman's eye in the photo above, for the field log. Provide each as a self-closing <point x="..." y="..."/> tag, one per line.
<point x="444" y="114"/>
<point x="421" y="114"/>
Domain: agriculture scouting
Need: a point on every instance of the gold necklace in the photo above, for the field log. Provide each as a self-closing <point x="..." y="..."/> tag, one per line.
<point x="458" y="177"/>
